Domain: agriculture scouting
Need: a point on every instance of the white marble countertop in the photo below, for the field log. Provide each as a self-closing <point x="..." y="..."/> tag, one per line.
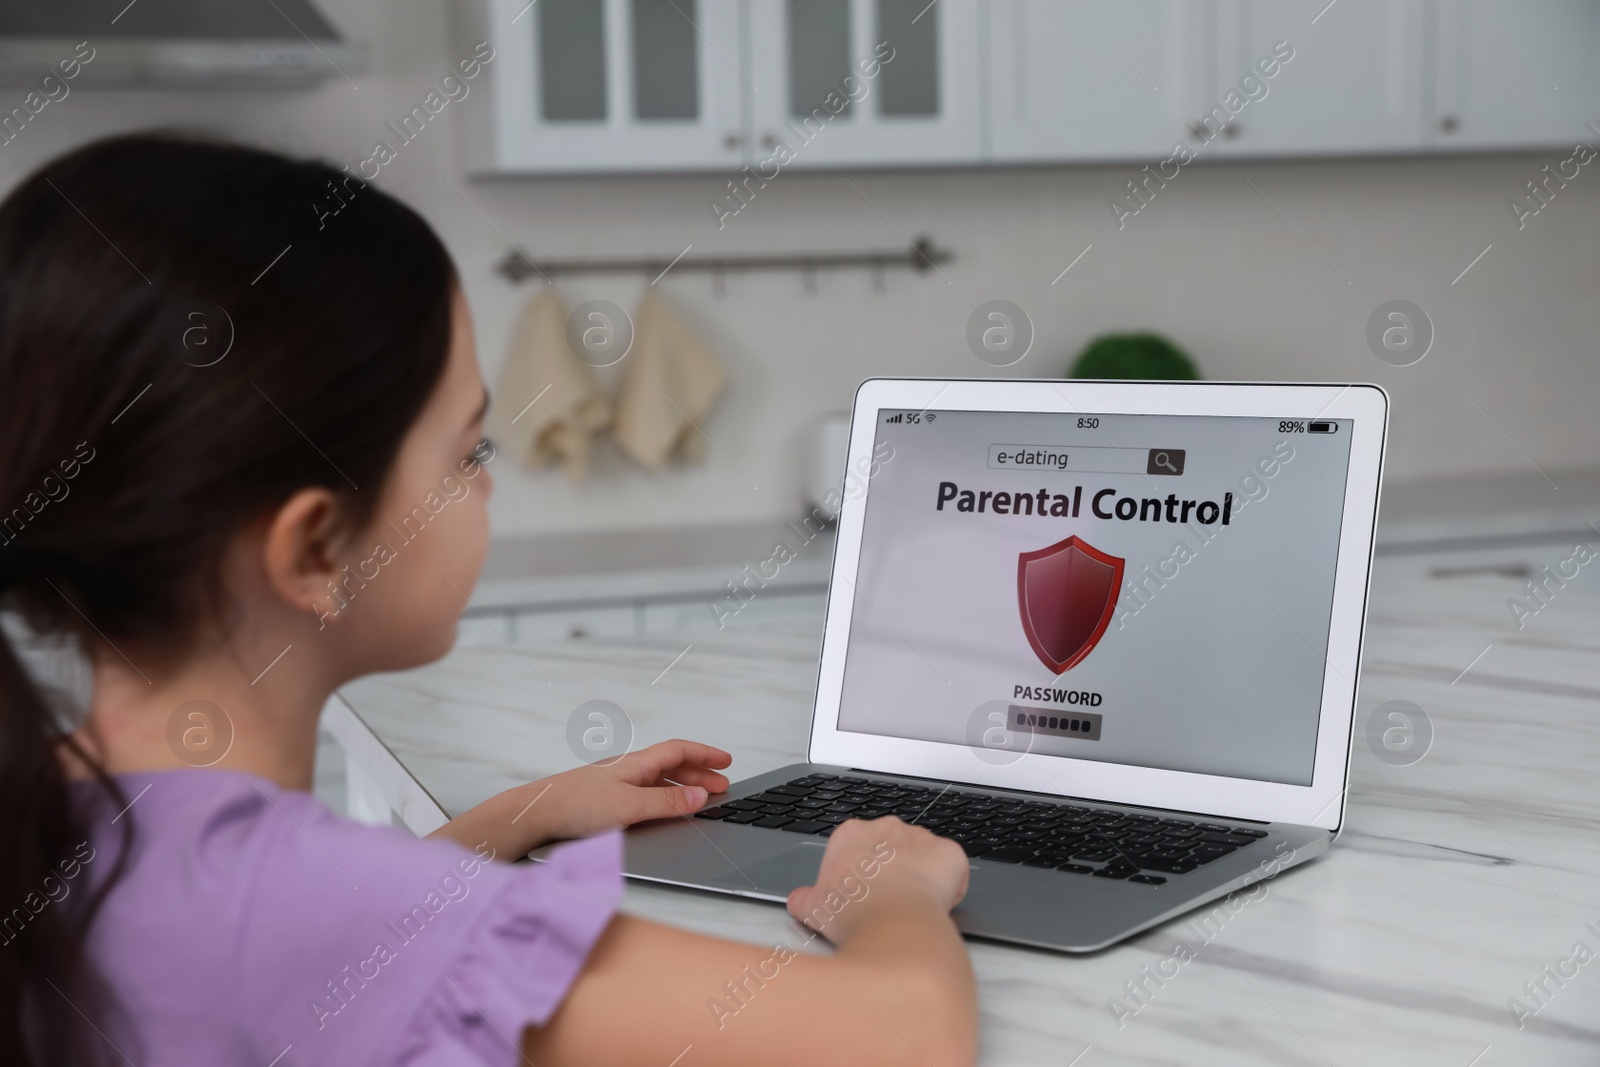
<point x="1458" y="879"/>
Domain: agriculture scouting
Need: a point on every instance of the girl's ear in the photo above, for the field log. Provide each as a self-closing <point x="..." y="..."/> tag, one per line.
<point x="300" y="549"/>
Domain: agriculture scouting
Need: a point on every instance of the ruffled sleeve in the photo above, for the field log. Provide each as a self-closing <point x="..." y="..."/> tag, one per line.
<point x="515" y="967"/>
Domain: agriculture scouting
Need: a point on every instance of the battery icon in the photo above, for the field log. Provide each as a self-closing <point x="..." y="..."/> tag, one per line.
<point x="1322" y="427"/>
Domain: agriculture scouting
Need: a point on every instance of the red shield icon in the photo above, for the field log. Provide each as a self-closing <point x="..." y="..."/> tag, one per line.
<point x="1067" y="594"/>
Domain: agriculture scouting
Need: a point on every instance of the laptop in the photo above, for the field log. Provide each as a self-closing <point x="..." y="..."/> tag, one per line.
<point x="1105" y="635"/>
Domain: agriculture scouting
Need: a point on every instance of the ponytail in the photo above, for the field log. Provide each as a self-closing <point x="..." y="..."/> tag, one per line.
<point x="46" y="979"/>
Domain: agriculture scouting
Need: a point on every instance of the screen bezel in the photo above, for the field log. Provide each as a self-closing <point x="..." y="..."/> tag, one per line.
<point x="1318" y="804"/>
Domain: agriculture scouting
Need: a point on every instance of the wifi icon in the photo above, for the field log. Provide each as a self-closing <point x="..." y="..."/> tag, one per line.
<point x="930" y="416"/>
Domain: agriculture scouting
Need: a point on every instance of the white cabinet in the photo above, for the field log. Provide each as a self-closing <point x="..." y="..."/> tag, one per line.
<point x="1097" y="79"/>
<point x="864" y="83"/>
<point x="478" y="628"/>
<point x="608" y="85"/>
<point x="692" y="608"/>
<point x="1092" y="80"/>
<point x="1553" y="566"/>
<point x="1513" y="74"/>
<point x="719" y="85"/>
<point x="711" y="85"/>
<point x="540" y="624"/>
<point x="715" y="613"/>
<point x="576" y="623"/>
<point x="1355" y="82"/>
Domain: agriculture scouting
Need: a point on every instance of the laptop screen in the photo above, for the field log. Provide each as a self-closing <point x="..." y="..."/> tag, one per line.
<point x="1152" y="590"/>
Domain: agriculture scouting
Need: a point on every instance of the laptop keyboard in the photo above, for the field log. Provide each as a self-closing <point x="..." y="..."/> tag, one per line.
<point x="1141" y="848"/>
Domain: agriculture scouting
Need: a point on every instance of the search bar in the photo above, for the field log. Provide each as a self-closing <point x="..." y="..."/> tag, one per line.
<point x="1086" y="459"/>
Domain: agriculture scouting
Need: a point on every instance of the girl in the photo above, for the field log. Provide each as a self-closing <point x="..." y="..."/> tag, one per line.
<point x="225" y="373"/>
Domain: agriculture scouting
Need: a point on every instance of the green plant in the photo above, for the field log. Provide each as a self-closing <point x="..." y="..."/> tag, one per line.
<point x="1144" y="356"/>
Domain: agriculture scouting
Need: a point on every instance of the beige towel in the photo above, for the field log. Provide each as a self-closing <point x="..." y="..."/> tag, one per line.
<point x="570" y="407"/>
<point x="668" y="387"/>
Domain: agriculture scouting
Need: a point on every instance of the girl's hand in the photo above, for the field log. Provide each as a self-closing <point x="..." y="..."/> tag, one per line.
<point x="880" y="867"/>
<point x="664" y="780"/>
<point x="636" y="788"/>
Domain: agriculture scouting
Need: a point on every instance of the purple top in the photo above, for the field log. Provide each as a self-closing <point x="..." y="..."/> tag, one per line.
<point x="253" y="926"/>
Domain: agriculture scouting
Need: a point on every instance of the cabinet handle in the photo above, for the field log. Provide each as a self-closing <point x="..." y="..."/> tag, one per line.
<point x="769" y="140"/>
<point x="1230" y="130"/>
<point x="731" y="141"/>
<point x="578" y="631"/>
<point x="1449" y="124"/>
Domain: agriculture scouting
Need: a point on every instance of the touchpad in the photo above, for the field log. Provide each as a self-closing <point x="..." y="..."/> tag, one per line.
<point x="789" y="869"/>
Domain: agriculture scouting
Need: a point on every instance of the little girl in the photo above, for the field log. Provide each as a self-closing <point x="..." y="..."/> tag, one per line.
<point x="224" y="374"/>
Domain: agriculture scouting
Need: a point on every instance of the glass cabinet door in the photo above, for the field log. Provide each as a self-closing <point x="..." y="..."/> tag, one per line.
<point x="865" y="82"/>
<point x="571" y="60"/>
<point x="597" y="85"/>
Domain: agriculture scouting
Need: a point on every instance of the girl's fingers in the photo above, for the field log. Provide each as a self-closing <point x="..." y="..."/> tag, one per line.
<point x="804" y="904"/>
<point x="667" y="801"/>
<point x="713" y="782"/>
<point x="649" y="764"/>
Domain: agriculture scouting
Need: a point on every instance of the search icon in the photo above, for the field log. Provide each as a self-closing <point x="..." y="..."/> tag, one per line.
<point x="1167" y="461"/>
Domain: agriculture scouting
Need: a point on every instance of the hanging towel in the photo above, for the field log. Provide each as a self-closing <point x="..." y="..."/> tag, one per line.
<point x="668" y="387"/>
<point x="570" y="407"/>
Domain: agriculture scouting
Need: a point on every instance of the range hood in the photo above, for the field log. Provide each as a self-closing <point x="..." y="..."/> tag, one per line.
<point x="174" y="42"/>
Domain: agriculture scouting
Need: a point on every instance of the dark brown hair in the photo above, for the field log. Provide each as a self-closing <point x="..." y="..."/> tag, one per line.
<point x="190" y="331"/>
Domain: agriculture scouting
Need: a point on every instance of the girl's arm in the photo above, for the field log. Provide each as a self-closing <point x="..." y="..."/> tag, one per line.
<point x="667" y="779"/>
<point x="899" y="990"/>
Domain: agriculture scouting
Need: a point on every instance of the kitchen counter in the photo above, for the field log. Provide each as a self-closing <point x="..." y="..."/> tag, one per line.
<point x="1459" y="878"/>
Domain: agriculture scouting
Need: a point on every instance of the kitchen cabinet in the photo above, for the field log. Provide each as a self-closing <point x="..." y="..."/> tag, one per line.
<point x="682" y="614"/>
<point x="607" y="85"/>
<point x="721" y="85"/>
<point x="543" y="623"/>
<point x="479" y="627"/>
<point x="1535" y="572"/>
<point x="1095" y="79"/>
<point x="661" y="85"/>
<point x="696" y="616"/>
<point x="864" y="83"/>
<point x="575" y="623"/>
<point x="670" y="600"/>
<point x="1509" y="74"/>
<point x="1354" y="85"/>
<point x="558" y="587"/>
